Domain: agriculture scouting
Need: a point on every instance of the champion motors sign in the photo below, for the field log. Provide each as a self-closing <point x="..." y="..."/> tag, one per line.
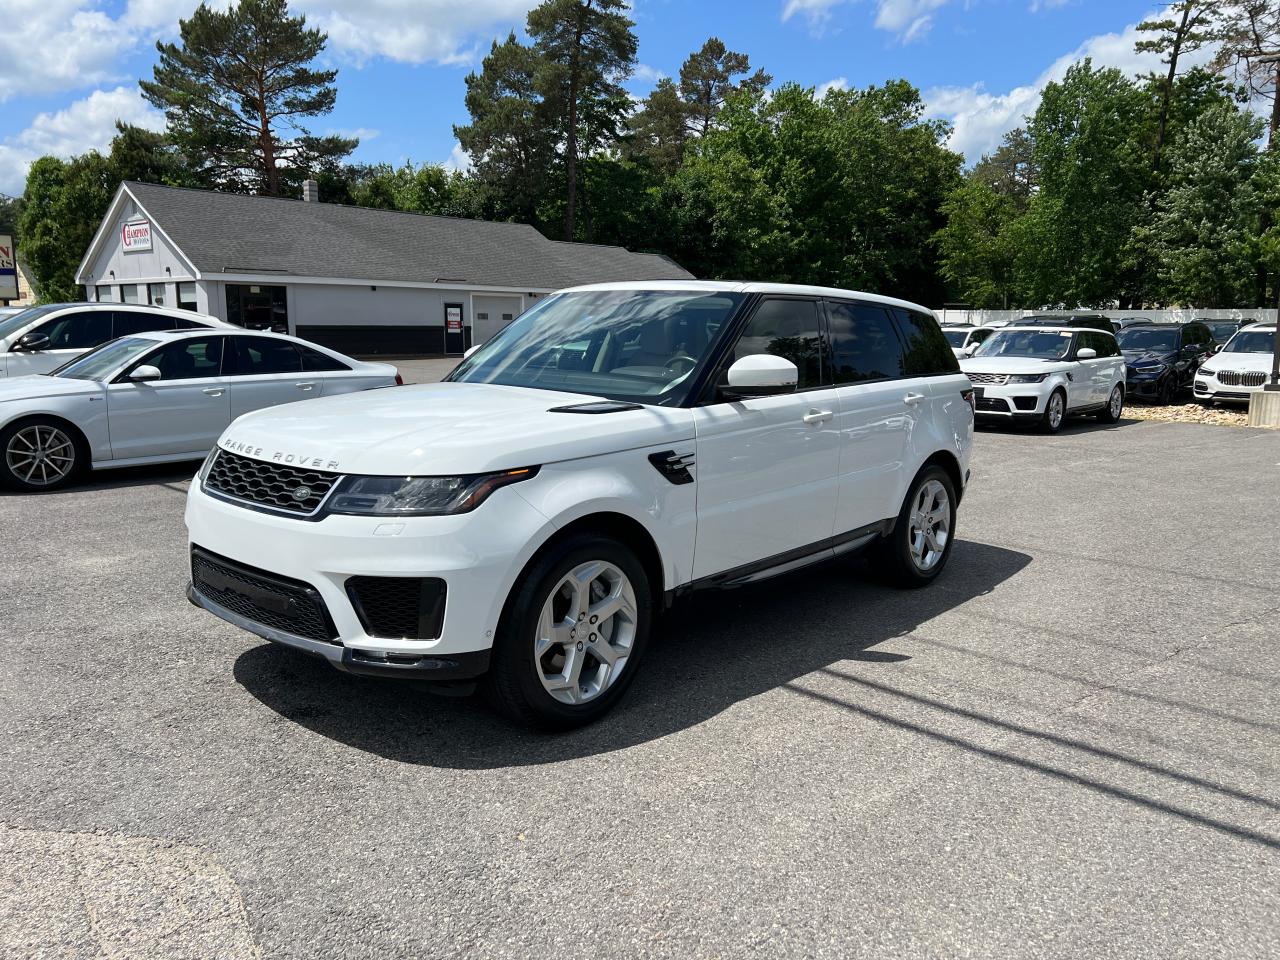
<point x="136" y="236"/>
<point x="8" y="269"/>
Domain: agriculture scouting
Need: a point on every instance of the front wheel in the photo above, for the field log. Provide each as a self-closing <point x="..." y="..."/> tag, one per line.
<point x="572" y="634"/>
<point x="39" y="454"/>
<point x="1115" y="406"/>
<point x="1055" y="412"/>
<point x="918" y="548"/>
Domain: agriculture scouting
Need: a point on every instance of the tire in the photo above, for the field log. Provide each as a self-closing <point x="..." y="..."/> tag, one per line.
<point x="1164" y="396"/>
<point x="1114" y="408"/>
<point x="1054" y="416"/>
<point x="906" y="556"/>
<point x="531" y="678"/>
<point x="40" y="454"/>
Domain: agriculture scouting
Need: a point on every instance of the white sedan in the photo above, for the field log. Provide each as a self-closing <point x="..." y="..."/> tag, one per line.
<point x="159" y="397"/>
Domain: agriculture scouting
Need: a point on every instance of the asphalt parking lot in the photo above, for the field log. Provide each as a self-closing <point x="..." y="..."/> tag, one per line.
<point x="1068" y="747"/>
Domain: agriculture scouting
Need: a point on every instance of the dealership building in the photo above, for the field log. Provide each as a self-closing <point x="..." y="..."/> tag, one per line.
<point x="360" y="280"/>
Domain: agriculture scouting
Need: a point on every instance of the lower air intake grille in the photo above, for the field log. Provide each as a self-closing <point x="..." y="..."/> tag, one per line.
<point x="289" y="606"/>
<point x="409" y="608"/>
<point x="273" y="485"/>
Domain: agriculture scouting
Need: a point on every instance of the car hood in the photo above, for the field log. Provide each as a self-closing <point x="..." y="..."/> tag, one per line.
<point x="1148" y="358"/>
<point x="1012" y="365"/>
<point x="39" y="387"/>
<point x="1238" y="361"/>
<point x="444" y="429"/>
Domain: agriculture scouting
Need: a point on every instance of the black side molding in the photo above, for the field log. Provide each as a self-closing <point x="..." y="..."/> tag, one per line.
<point x="597" y="406"/>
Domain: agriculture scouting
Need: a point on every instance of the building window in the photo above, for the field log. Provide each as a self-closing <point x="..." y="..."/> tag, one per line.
<point x="187" y="296"/>
<point x="102" y="293"/>
<point x="128" y="293"/>
<point x="155" y="294"/>
<point x="258" y="307"/>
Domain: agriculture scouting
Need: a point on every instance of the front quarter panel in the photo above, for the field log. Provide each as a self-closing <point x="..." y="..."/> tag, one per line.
<point x="86" y="411"/>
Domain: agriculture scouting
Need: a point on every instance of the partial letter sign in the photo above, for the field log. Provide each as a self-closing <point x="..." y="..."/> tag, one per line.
<point x="8" y="269"/>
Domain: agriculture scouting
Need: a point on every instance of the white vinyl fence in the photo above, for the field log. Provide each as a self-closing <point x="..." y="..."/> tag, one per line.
<point x="1176" y="315"/>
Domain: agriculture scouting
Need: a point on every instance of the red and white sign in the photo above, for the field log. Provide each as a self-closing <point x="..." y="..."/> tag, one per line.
<point x="453" y="319"/>
<point x="136" y="236"/>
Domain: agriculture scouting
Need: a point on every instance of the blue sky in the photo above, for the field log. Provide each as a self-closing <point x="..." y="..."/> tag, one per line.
<point x="69" y="68"/>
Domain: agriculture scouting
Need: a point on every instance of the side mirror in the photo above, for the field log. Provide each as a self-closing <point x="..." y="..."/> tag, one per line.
<point x="144" y="374"/>
<point x="761" y="375"/>
<point x="1086" y="353"/>
<point x="471" y="349"/>
<point x="31" y="343"/>
<point x="971" y="349"/>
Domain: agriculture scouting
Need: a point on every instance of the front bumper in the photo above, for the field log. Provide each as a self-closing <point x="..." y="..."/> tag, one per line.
<point x="1143" y="388"/>
<point x="1211" y="391"/>
<point x="1006" y="402"/>
<point x="478" y="555"/>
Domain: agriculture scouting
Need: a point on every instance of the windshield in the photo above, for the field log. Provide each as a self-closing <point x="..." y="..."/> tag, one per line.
<point x="1251" y="341"/>
<point x="11" y="325"/>
<point x="100" y="363"/>
<point x="630" y="345"/>
<point x="1221" y="331"/>
<point x="955" y="338"/>
<point x="1148" y="340"/>
<point x="1040" y="345"/>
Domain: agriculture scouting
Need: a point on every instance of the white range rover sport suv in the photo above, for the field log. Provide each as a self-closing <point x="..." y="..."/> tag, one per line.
<point x="525" y="521"/>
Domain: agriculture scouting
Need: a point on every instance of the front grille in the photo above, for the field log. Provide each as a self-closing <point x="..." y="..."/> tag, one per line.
<point x="289" y="606"/>
<point x="410" y="608"/>
<point x="993" y="403"/>
<point x="272" y="485"/>
<point x="993" y="378"/>
<point x="1239" y="378"/>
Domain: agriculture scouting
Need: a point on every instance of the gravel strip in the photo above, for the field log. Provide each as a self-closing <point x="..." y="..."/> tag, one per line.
<point x="1189" y="413"/>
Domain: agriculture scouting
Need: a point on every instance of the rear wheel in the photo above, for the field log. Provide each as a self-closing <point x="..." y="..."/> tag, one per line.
<point x="1115" y="406"/>
<point x="40" y="454"/>
<point x="1055" y="412"/>
<point x="1164" y="395"/>
<point x="918" y="548"/>
<point x="572" y="636"/>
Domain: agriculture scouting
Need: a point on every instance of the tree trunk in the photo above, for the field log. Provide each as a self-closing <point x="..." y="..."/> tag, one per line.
<point x="270" y="174"/>
<point x="1167" y="94"/>
<point x="571" y="145"/>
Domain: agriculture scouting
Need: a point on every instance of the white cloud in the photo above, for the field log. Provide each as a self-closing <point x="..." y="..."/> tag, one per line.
<point x="51" y="45"/>
<point x="907" y="19"/>
<point x="815" y="11"/>
<point x="647" y="73"/>
<point x="458" y="160"/>
<point x="981" y="118"/>
<point x="363" y="134"/>
<point x="1039" y="6"/>
<point x="87" y="124"/>
<point x="839" y="83"/>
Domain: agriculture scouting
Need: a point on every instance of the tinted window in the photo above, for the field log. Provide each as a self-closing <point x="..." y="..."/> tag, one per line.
<point x="980" y="335"/>
<point x="1100" y="343"/>
<point x="313" y="361"/>
<point x="77" y="331"/>
<point x="259" y="356"/>
<point x="1197" y="333"/>
<point x="864" y="343"/>
<point x="187" y="359"/>
<point x="927" y="350"/>
<point x="127" y="322"/>
<point x="788" y="329"/>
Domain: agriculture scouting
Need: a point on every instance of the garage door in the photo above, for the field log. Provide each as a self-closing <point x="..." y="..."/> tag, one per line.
<point x="491" y="314"/>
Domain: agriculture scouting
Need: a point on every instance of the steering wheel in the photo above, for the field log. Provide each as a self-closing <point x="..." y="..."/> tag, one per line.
<point x="681" y="364"/>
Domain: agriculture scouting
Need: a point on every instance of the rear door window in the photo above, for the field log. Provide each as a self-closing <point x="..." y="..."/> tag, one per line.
<point x="126" y="322"/>
<point x="261" y="356"/>
<point x="865" y="345"/>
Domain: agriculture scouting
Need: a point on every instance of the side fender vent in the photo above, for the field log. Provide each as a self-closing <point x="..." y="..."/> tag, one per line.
<point x="674" y="466"/>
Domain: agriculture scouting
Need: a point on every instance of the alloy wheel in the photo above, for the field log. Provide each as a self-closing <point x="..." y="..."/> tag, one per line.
<point x="586" y="632"/>
<point x="1117" y="403"/>
<point x="929" y="525"/>
<point x="1057" y="410"/>
<point x="40" y="455"/>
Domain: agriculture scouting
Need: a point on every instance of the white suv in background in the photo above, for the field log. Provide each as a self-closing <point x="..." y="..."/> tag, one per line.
<point x="615" y="447"/>
<point x="1239" y="369"/>
<point x="1042" y="375"/>
<point x="41" y="339"/>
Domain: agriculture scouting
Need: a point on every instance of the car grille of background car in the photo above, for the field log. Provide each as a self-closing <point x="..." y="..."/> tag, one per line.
<point x="1242" y="378"/>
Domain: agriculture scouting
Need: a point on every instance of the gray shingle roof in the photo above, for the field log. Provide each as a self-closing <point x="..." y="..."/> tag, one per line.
<point x="232" y="233"/>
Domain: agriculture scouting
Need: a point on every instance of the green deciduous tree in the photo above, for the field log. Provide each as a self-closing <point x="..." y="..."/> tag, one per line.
<point x="62" y="207"/>
<point x="235" y="91"/>
<point x="1204" y="231"/>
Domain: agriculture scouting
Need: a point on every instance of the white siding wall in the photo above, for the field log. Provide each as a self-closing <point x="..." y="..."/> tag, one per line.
<point x="143" y="267"/>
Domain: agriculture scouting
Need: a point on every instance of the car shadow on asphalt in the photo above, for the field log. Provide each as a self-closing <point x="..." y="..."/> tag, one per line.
<point x="168" y="475"/>
<point x="1073" y="425"/>
<point x="707" y="655"/>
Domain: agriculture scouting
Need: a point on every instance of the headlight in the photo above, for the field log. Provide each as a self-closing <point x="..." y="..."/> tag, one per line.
<point x="208" y="464"/>
<point x="1028" y="377"/>
<point x="1152" y="371"/>
<point x="420" y="496"/>
<point x="1202" y="372"/>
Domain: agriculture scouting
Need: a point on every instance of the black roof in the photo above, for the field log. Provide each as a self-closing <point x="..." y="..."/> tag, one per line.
<point x="234" y="233"/>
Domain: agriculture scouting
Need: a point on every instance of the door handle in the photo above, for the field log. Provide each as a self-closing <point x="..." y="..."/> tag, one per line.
<point x="817" y="416"/>
<point x="913" y="398"/>
<point x="213" y="391"/>
<point x="304" y="386"/>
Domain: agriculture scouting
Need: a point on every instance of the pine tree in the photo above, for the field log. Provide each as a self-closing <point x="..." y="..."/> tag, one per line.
<point x="1185" y="29"/>
<point x="658" y="130"/>
<point x="231" y="87"/>
<point x="707" y="79"/>
<point x="587" y="48"/>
